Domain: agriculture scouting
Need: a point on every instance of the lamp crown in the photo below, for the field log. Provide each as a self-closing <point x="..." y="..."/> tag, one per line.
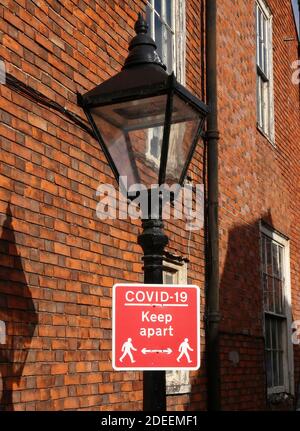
<point x="142" y="48"/>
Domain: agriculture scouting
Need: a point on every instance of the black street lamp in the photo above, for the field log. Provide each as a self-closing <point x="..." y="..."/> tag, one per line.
<point x="148" y="126"/>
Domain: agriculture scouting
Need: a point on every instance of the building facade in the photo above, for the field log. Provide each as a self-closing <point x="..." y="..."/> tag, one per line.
<point x="59" y="259"/>
<point x="259" y="178"/>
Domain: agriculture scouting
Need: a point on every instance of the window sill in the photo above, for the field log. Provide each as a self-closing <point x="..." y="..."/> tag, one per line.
<point x="278" y="390"/>
<point x="271" y="141"/>
<point x="178" y="389"/>
<point x="279" y="398"/>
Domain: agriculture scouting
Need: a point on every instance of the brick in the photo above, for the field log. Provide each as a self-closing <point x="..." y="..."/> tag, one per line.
<point x="59" y="368"/>
<point x="71" y="403"/>
<point x="62" y="249"/>
<point x="57" y="393"/>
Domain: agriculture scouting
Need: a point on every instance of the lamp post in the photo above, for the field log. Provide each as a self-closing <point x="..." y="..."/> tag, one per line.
<point x="148" y="126"/>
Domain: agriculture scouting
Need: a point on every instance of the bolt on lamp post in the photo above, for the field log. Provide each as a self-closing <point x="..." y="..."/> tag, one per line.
<point x="147" y="125"/>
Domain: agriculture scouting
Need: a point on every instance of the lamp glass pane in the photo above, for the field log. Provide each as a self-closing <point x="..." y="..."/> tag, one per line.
<point x="184" y="127"/>
<point x="132" y="132"/>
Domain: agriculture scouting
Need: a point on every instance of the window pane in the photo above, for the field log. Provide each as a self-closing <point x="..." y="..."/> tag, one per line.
<point x="263" y="43"/>
<point x="269" y="256"/>
<point x="275" y="368"/>
<point x="158" y="6"/>
<point x="158" y="36"/>
<point x="281" y="377"/>
<point x="260" y="39"/>
<point x="266" y="98"/>
<point x="266" y="292"/>
<point x="274" y="351"/>
<point x="168" y="278"/>
<point x="278" y="296"/>
<point x="257" y="34"/>
<point x="263" y="103"/>
<point x="263" y="27"/>
<point x="260" y="58"/>
<point x="169" y="6"/>
<point x="168" y="43"/>
<point x="272" y="282"/>
<point x="268" y="333"/>
<point x="275" y="256"/>
<point x="280" y="326"/>
<point x="259" y="110"/>
<point x="280" y="259"/>
<point x="271" y="294"/>
<point x="269" y="368"/>
<point x="263" y="251"/>
<point x="274" y="333"/>
<point x="265" y="59"/>
<point x="259" y="23"/>
<point x="281" y="298"/>
<point x="149" y="19"/>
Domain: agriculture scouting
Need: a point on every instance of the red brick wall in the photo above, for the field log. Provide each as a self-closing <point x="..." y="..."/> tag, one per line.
<point x="257" y="181"/>
<point x="58" y="260"/>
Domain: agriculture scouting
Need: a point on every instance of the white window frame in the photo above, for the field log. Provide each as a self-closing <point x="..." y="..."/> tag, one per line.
<point x="265" y="78"/>
<point x="177" y="381"/>
<point x="179" y="48"/>
<point x="288" y="360"/>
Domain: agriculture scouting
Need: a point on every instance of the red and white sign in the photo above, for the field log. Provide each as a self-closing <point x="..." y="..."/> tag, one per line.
<point x="156" y="327"/>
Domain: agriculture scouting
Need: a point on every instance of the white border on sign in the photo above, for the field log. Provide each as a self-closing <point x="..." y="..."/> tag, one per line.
<point x="185" y="286"/>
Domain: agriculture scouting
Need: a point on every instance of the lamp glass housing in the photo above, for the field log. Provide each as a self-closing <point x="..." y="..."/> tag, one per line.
<point x="149" y="139"/>
<point x="127" y="129"/>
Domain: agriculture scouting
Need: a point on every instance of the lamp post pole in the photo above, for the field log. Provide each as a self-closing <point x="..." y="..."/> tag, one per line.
<point x="153" y="242"/>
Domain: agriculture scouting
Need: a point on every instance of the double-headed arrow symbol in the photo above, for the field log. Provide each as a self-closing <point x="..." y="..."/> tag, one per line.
<point x="145" y="351"/>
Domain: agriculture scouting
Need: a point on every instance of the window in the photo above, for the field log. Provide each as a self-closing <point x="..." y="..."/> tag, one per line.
<point x="295" y="5"/>
<point x="264" y="67"/>
<point x="177" y="381"/>
<point x="166" y="21"/>
<point x="161" y="24"/>
<point x="277" y="311"/>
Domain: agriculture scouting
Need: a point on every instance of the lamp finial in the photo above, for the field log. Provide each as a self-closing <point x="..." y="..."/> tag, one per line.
<point x="141" y="25"/>
<point x="142" y="48"/>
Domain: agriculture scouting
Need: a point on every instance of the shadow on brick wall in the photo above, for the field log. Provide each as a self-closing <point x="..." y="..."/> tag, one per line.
<point x="18" y="317"/>
<point x="244" y="364"/>
<point x="242" y="344"/>
<point x="242" y="348"/>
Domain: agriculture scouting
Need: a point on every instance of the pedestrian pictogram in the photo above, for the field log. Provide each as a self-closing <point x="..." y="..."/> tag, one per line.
<point x="156" y="327"/>
<point x="126" y="349"/>
<point x="183" y="349"/>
